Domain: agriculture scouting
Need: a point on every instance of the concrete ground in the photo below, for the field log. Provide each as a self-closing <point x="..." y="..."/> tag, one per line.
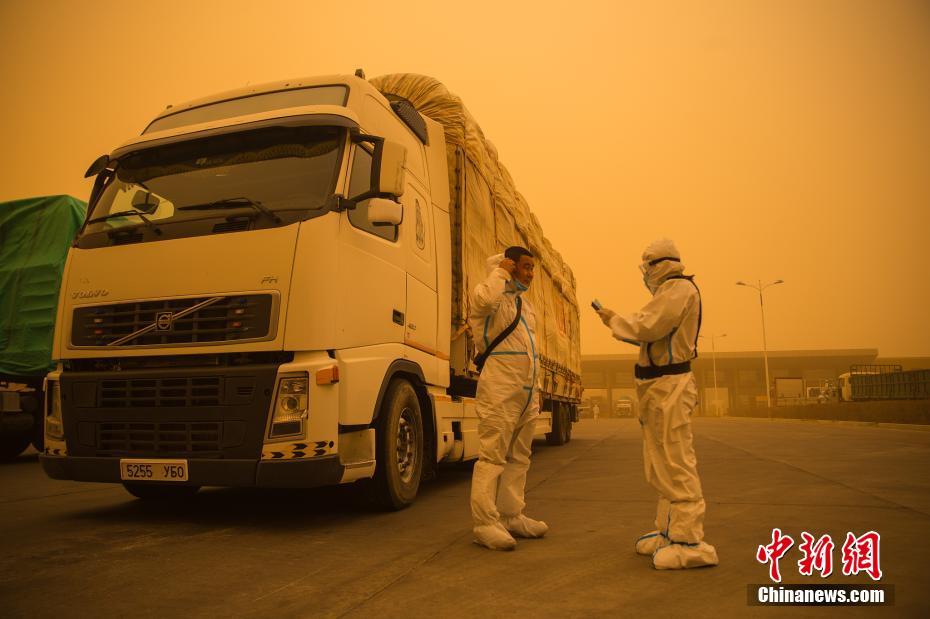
<point x="79" y="550"/>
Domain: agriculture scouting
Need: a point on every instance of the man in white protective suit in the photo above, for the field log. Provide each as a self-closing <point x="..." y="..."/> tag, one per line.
<point x="503" y="323"/>
<point x="666" y="330"/>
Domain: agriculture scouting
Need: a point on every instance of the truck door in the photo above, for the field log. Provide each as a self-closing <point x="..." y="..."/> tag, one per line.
<point x="372" y="305"/>
<point x="418" y="241"/>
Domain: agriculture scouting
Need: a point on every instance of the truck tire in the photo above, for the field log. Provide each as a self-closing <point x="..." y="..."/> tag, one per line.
<point x="559" y="421"/>
<point x="34" y="404"/>
<point x="13" y="443"/>
<point x="398" y="448"/>
<point x="38" y="434"/>
<point x="160" y="492"/>
<point x="569" y="421"/>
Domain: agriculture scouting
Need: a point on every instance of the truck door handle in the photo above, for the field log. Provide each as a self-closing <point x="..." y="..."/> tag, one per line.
<point x="398" y="318"/>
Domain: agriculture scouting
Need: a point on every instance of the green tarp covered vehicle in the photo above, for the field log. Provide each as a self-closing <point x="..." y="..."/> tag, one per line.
<point x="35" y="235"/>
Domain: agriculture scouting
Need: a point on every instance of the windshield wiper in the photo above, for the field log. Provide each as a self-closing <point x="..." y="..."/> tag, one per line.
<point x="228" y="203"/>
<point x="148" y="222"/>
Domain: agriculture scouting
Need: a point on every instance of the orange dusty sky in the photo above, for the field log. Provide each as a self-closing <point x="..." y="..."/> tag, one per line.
<point x="770" y="139"/>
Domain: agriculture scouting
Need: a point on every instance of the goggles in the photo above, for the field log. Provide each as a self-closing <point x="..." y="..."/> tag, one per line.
<point x="650" y="263"/>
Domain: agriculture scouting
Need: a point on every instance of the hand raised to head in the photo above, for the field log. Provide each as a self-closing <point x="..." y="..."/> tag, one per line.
<point x="509" y="265"/>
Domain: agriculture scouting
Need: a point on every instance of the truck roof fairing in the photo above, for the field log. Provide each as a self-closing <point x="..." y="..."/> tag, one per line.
<point x="350" y="81"/>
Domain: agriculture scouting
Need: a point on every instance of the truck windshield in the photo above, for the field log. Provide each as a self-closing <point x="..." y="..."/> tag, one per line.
<point x="281" y="170"/>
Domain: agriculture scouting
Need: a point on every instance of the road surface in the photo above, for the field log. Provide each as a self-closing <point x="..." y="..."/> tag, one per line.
<point x="77" y="549"/>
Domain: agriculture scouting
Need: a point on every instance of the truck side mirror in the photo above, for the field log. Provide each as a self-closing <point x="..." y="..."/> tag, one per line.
<point x="97" y="166"/>
<point x="383" y="212"/>
<point x="392" y="161"/>
<point x="387" y="169"/>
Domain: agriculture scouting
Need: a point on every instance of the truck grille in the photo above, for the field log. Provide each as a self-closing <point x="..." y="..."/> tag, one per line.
<point x="173" y="322"/>
<point x="161" y="392"/>
<point x="165" y="438"/>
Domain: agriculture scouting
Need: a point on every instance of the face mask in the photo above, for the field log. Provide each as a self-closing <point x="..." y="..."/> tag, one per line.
<point x="646" y="283"/>
<point x="520" y="286"/>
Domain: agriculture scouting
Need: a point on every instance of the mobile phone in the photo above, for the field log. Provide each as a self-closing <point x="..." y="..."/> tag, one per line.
<point x="596" y="305"/>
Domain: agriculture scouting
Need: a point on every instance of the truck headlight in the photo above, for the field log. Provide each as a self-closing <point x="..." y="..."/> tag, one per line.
<point x="54" y="427"/>
<point x="292" y="405"/>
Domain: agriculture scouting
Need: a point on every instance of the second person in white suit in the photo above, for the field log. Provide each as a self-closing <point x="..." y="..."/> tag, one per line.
<point x="666" y="330"/>
<point x="507" y="401"/>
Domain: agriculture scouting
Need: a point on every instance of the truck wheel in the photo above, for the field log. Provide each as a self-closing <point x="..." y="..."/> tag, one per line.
<point x="35" y="404"/>
<point x="38" y="434"/>
<point x="559" y="420"/>
<point x="155" y="492"/>
<point x="569" y="415"/>
<point x="399" y="448"/>
<point x="13" y="443"/>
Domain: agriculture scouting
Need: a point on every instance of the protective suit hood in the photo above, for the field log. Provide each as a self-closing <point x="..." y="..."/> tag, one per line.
<point x="654" y="275"/>
<point x="493" y="262"/>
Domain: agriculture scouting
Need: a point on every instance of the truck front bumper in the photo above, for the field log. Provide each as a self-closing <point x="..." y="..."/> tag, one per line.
<point x="302" y="473"/>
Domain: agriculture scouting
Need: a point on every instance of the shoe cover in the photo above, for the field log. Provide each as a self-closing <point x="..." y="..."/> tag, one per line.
<point x="494" y="536"/>
<point x="650" y="542"/>
<point x="684" y="556"/>
<point x="521" y="526"/>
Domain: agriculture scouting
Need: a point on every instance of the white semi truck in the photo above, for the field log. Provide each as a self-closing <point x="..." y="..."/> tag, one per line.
<point x="271" y="289"/>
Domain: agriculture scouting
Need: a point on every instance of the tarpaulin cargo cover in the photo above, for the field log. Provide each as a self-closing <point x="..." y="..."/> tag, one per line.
<point x="489" y="214"/>
<point x="35" y="234"/>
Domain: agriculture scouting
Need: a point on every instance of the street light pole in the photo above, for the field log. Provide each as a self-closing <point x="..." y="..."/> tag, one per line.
<point x="765" y="350"/>
<point x="765" y="354"/>
<point x="713" y="347"/>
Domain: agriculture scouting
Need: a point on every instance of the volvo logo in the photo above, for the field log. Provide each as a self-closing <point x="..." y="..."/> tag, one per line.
<point x="421" y="228"/>
<point x="90" y="294"/>
<point x="163" y="321"/>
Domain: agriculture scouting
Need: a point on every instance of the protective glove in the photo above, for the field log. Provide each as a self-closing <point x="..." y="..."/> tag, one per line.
<point x="606" y="315"/>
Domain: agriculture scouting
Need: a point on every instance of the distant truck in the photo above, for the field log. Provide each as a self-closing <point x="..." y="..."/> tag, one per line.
<point x="272" y="288"/>
<point x="823" y="392"/>
<point x="624" y="407"/>
<point x="882" y="382"/>
<point x="35" y="235"/>
<point x="820" y="394"/>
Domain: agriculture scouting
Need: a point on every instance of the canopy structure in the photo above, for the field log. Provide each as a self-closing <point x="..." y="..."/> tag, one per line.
<point x="35" y="235"/>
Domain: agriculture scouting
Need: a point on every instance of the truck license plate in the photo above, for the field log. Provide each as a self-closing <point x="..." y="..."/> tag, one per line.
<point x="153" y="470"/>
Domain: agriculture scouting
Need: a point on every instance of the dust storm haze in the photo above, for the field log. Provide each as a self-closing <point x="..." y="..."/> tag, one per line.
<point x="770" y="139"/>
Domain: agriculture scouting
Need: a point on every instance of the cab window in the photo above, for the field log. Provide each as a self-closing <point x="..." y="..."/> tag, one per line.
<point x="360" y="182"/>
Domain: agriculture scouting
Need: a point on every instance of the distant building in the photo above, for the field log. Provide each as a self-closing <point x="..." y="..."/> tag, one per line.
<point x="608" y="379"/>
